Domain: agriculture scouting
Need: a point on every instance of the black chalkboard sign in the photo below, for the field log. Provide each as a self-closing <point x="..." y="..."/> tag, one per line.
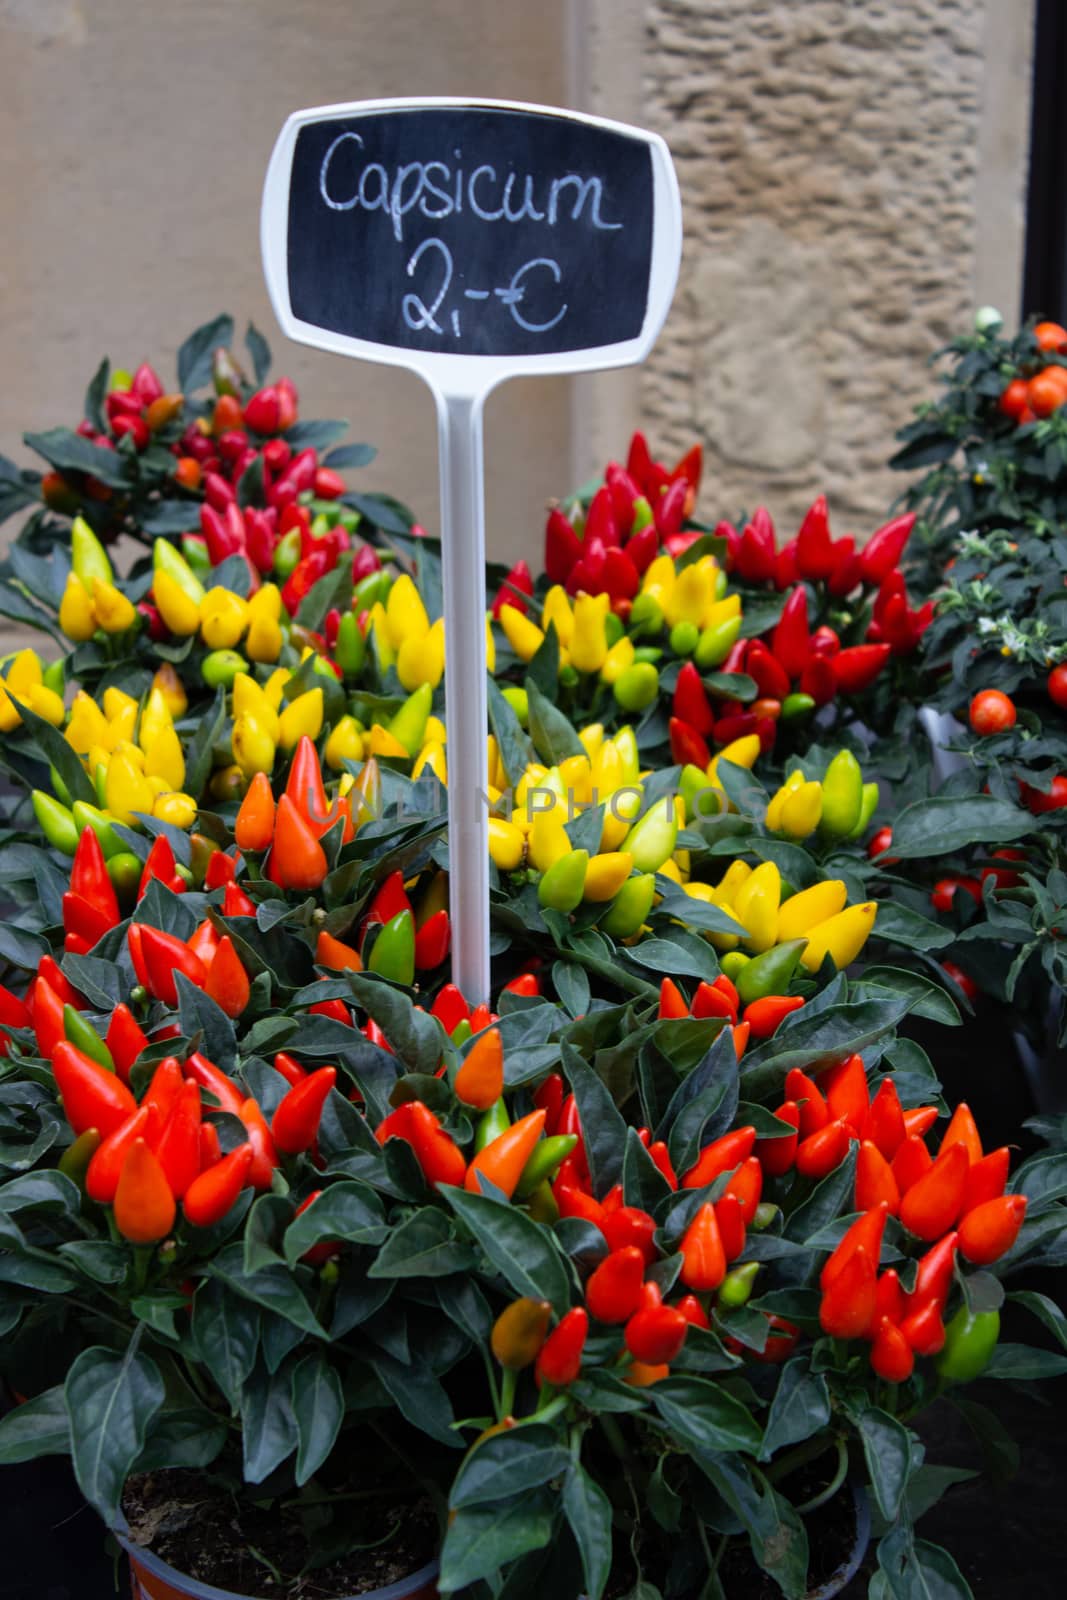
<point x="470" y="230"/>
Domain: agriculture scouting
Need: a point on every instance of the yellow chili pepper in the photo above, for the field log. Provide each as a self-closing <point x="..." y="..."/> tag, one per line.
<point x="802" y="912"/>
<point x="178" y="609"/>
<point x="618" y="658"/>
<point x="275" y="687"/>
<point x="548" y="841"/>
<point x="557" y="609"/>
<point x="841" y="937"/>
<point x="126" y="789"/>
<point x="589" y="642"/>
<point x="172" y="689"/>
<point x="250" y="697"/>
<point x="164" y="758"/>
<point x="252" y="744"/>
<point x="691" y="595"/>
<point x="266" y="603"/>
<point x="345" y="743"/>
<point x="420" y="658"/>
<point x="114" y="613"/>
<point x="406" y="616"/>
<point x="524" y="636"/>
<point x="77" y="618"/>
<point x="223" y="618"/>
<point x="432" y="756"/>
<point x="385" y="745"/>
<point x="301" y="716"/>
<point x="606" y="874"/>
<point x="47" y="704"/>
<point x="756" y="906"/>
<point x="801" y="811"/>
<point x="176" y="808"/>
<point x="506" y="844"/>
<point x="264" y="639"/>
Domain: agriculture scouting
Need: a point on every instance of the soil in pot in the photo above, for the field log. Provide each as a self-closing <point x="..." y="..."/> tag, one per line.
<point x="196" y="1526"/>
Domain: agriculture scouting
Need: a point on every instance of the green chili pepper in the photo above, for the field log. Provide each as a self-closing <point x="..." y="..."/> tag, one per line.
<point x="220" y="668"/>
<point x="867" y="809"/>
<point x="970" y="1339"/>
<point x="59" y="788"/>
<point x="637" y="687"/>
<point x="642" y="516"/>
<point x="393" y="953"/>
<point x="733" y="963"/>
<point x="568" y="677"/>
<point x="350" y="650"/>
<point x="736" y="1287"/>
<point x="348" y="518"/>
<point x="542" y="1205"/>
<point x="613" y="628"/>
<point x="684" y="638"/>
<point x="519" y="701"/>
<point x="55" y="822"/>
<point x="769" y="973"/>
<point x="195" y="552"/>
<point x="562" y="885"/>
<point x="495" y="1122"/>
<point x="765" y="1214"/>
<point x="548" y="1155"/>
<point x="646" y="615"/>
<point x="287" y="553"/>
<point x="84" y="1037"/>
<point x="716" y="643"/>
<point x="87" y="816"/>
<point x="722" y="583"/>
<point x="630" y="907"/>
<point x="201" y="850"/>
<point x="74" y="1162"/>
<point x="100" y="784"/>
<point x="796" y="705"/>
<point x="647" y="653"/>
<point x="166" y="559"/>
<point x="54" y="677"/>
<point x="124" y="870"/>
<point x="842" y="795"/>
<point x="88" y="556"/>
<point x="652" y="838"/>
<point x="462" y="1031"/>
<point x="321" y="525"/>
<point x="699" y="796"/>
<point x="409" y="723"/>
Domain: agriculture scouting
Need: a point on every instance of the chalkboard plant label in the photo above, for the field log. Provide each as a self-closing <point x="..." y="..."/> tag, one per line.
<point x="418" y="232"/>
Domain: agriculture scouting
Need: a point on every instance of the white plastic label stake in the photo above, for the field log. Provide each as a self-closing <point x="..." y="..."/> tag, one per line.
<point x="470" y="241"/>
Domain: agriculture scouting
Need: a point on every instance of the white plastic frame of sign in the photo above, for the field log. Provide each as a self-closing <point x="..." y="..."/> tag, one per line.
<point x="460" y="384"/>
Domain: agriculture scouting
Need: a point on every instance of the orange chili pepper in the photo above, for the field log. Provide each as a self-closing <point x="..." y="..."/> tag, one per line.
<point x="254" y="828"/>
<point x="932" y="1204"/>
<point x="144" y="1205"/>
<point x="210" y="1196"/>
<point x="333" y="953"/>
<point x="962" y="1129"/>
<point x="480" y="1080"/>
<point x="990" y="1230"/>
<point x="105" y="1167"/>
<point x="178" y="1149"/>
<point x="875" y="1182"/>
<point x="227" y="981"/>
<point x="297" y="859"/>
<point x="502" y="1161"/>
<point x="703" y="1256"/>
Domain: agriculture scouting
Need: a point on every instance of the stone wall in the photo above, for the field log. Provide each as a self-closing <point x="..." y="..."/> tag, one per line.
<point x="853" y="178"/>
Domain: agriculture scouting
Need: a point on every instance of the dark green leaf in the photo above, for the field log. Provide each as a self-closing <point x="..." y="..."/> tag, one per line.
<point x="194" y="355"/>
<point x="40" y="1427"/>
<point x="190" y="1439"/>
<point x="269" y="1431"/>
<point x="801" y="1406"/>
<point x="482" y="1539"/>
<point x="508" y="1464"/>
<point x="552" y="733"/>
<point x="423" y="1246"/>
<point x="887" y="1451"/>
<point x="588" y="1510"/>
<point x="318" y="1408"/>
<point x="520" y="1249"/>
<point x="112" y="1401"/>
<point x="945" y="823"/>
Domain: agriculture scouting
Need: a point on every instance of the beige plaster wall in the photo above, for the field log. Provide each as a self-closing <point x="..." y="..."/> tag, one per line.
<point x="134" y="137"/>
<point x="853" y="179"/>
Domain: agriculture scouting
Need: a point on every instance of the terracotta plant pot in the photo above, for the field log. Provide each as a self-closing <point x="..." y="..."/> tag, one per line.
<point x="153" y="1579"/>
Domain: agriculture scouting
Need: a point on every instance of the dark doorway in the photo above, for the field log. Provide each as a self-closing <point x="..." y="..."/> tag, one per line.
<point x="1045" y="269"/>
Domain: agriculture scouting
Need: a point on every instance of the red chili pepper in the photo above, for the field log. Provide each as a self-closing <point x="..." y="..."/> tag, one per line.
<point x="261" y="537"/>
<point x="884" y="1122"/>
<point x="47" y="1017"/>
<point x="547" y="1098"/>
<point x="990" y="1230"/>
<point x="933" y="1274"/>
<point x="746" y="1185"/>
<point x="391" y="898"/>
<point x="986" y="1179"/>
<point x="813" y="1110"/>
<point x="847" y="574"/>
<point x="235" y="903"/>
<point x="776" y="1155"/>
<point x="209" y="1077"/>
<point x="924" y="1330"/>
<point x="573" y="1201"/>
<point x="889" y="1297"/>
<point x="815" y="552"/>
<point x="847" y="1307"/>
<point x="227" y="981"/>
<point x="291" y="1070"/>
<point x="89" y="878"/>
<point x="875" y="1183"/>
<point x="790" y="641"/>
<point x="161" y="866"/>
<point x="730" y="1218"/>
<point x="563" y="548"/>
<point x="655" y="1333"/>
<point x="856" y="668"/>
<point x="630" y="1225"/>
<point x="642" y="547"/>
<point x="559" y="1359"/>
<point x="210" y="1148"/>
<point x="178" y="1148"/>
<point x="932" y="1203"/>
<point x="451" y="1009"/>
<point x="105" y="1167"/>
<point x="865" y="1234"/>
<point x="92" y="1096"/>
<point x="672" y="1002"/>
<point x="164" y="954"/>
<point x="719" y="1156"/>
<point x="785" y="566"/>
<point x="693" y="1311"/>
<point x="211" y="1196"/>
<point x="661" y="1159"/>
<point x="125" y="1039"/>
<point x="688" y="748"/>
<point x="822" y="1151"/>
<point x="264" y="1155"/>
<point x="962" y="1129"/>
<point x="884" y="548"/>
<point x="436" y="1151"/>
<point x="613" y="1292"/>
<point x="891" y="1355"/>
<point x="765" y="1017"/>
<point x="295" y="1124"/>
<point x="738" y="726"/>
<point x="221" y="869"/>
<point x="203" y="942"/>
<point x="691" y="703"/>
<point x="818" y="680"/>
<point x="224" y="534"/>
<point x="756" y="548"/>
<point x="919" y="1119"/>
<point x="845" y="1088"/>
<point x="711" y="1001"/>
<point x="911" y="1162"/>
<point x="703" y="1255"/>
<point x="433" y="941"/>
<point x="770" y="676"/>
<point x="53" y="975"/>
